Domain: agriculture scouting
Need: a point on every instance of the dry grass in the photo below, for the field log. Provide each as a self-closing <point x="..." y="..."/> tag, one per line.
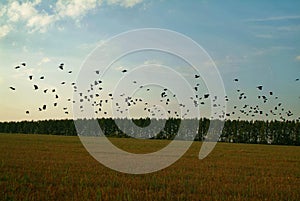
<point x="41" y="167"/>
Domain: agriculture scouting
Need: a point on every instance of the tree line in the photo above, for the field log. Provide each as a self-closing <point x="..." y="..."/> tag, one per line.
<point x="235" y="131"/>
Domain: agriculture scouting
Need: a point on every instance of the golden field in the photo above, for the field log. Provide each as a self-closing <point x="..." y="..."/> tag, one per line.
<point x="45" y="167"/>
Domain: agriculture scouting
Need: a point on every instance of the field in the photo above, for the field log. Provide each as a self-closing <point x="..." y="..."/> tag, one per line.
<point x="43" y="167"/>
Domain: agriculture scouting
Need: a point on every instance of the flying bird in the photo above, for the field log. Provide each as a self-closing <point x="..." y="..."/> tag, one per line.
<point x="61" y="66"/>
<point x="12" y="88"/>
<point x="206" y="95"/>
<point x="17" y="67"/>
<point x="35" y="87"/>
<point x="124" y="71"/>
<point x="23" y="64"/>
<point x="236" y="80"/>
<point x="30" y="77"/>
<point x="259" y="87"/>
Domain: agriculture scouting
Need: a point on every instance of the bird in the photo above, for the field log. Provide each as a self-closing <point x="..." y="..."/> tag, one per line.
<point x="97" y="72"/>
<point x="271" y="93"/>
<point x="35" y="87"/>
<point x="42" y="77"/>
<point x="70" y="72"/>
<point x="45" y="91"/>
<point x="23" y="64"/>
<point x="297" y="79"/>
<point x="12" y="88"/>
<point x="44" y="107"/>
<point x="30" y="77"/>
<point x="259" y="87"/>
<point x="61" y="66"/>
<point x="124" y="71"/>
<point x="27" y="112"/>
<point x="17" y="67"/>
<point x="236" y="80"/>
<point x="197" y="76"/>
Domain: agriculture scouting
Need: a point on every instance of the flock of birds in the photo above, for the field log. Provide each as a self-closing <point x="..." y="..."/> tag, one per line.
<point x="95" y="97"/>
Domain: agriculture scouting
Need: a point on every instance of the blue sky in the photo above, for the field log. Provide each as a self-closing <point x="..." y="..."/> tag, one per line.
<point x="255" y="41"/>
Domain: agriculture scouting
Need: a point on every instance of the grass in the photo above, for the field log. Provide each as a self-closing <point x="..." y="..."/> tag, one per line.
<point x="43" y="167"/>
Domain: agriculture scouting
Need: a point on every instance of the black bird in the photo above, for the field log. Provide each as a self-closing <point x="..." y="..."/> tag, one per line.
<point x="55" y="104"/>
<point x="35" y="87"/>
<point x="97" y="72"/>
<point x="61" y="66"/>
<point x="63" y="82"/>
<point x="17" y="67"/>
<point x="206" y="95"/>
<point x="27" y="112"/>
<point x="297" y="79"/>
<point x="236" y="80"/>
<point x="42" y="77"/>
<point x="30" y="77"/>
<point x="45" y="91"/>
<point x="197" y="76"/>
<point x="12" y="88"/>
<point x="44" y="107"/>
<point x="271" y="93"/>
<point x="23" y="64"/>
<point x="124" y="71"/>
<point x="259" y="87"/>
<point x="70" y="72"/>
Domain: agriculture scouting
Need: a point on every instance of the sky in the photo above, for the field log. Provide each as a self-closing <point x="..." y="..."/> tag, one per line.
<point x="256" y="42"/>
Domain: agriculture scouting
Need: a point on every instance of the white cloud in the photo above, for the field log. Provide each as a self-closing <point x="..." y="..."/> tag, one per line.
<point x="23" y="11"/>
<point x="40" y="22"/>
<point x="276" y="18"/>
<point x="124" y="3"/>
<point x="26" y="11"/>
<point x="44" y="60"/>
<point x="4" y="30"/>
<point x="266" y="36"/>
<point x="2" y="11"/>
<point x="16" y="13"/>
<point x="75" y="8"/>
<point x="298" y="58"/>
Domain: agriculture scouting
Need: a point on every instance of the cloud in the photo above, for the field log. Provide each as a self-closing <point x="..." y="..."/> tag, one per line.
<point x="289" y="17"/>
<point x="44" y="60"/>
<point x="36" y="19"/>
<point x="298" y="58"/>
<point x="266" y="36"/>
<point x="40" y="22"/>
<point x="75" y="8"/>
<point x="124" y="3"/>
<point x="4" y="30"/>
<point x="26" y="12"/>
